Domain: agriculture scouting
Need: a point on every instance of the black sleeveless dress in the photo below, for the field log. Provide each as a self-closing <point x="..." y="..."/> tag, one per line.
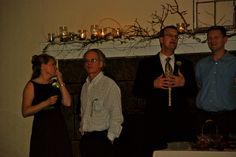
<point x="50" y="136"/>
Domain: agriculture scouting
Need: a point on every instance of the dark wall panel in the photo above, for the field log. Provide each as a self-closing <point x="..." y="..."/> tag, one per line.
<point x="123" y="71"/>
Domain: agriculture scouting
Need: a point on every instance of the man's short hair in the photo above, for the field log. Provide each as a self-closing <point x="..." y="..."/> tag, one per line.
<point x="162" y="32"/>
<point x="99" y="53"/>
<point x="220" y="28"/>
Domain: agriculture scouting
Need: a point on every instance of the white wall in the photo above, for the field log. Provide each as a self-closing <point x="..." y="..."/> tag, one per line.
<point x="24" y="24"/>
<point x="21" y="31"/>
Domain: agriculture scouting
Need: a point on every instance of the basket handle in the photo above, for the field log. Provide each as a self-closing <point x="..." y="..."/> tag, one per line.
<point x="207" y="122"/>
<point x="110" y="19"/>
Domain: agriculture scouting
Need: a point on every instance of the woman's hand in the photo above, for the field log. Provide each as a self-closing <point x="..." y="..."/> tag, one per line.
<point x="59" y="76"/>
<point x="52" y="100"/>
<point x="66" y="98"/>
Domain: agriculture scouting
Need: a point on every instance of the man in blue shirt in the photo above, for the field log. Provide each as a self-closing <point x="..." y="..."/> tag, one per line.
<point x="216" y="79"/>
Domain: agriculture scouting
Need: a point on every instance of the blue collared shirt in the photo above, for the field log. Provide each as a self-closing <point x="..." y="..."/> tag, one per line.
<point x="216" y="82"/>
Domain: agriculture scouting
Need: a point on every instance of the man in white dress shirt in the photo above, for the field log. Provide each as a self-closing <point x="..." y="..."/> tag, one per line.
<point x="101" y="110"/>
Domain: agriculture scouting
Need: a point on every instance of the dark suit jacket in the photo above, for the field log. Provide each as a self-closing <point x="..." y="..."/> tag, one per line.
<point x="157" y="110"/>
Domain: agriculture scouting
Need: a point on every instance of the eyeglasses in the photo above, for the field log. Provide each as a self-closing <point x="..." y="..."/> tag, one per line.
<point x="92" y="60"/>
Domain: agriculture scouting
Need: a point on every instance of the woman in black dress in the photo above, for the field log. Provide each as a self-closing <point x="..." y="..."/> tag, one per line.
<point x="42" y="97"/>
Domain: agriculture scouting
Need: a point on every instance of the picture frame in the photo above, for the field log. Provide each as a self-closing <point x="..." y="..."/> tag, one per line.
<point x="207" y="13"/>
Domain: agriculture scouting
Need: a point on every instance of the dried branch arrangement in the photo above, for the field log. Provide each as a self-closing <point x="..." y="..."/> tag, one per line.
<point x="135" y="32"/>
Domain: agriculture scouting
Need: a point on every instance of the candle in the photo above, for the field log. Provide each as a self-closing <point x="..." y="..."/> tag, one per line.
<point x="103" y="33"/>
<point x="116" y="33"/>
<point x="51" y="37"/>
<point x="82" y="34"/>
<point x="181" y="27"/>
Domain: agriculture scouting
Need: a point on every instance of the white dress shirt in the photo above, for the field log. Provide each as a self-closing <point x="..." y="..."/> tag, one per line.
<point x="101" y="106"/>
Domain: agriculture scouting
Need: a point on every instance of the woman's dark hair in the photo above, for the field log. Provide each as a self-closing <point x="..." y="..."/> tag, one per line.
<point x="37" y="61"/>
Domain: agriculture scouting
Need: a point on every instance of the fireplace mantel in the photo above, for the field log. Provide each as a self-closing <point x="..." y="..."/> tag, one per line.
<point x="132" y="48"/>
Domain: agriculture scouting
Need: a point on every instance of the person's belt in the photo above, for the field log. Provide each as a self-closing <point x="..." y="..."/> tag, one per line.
<point x="95" y="133"/>
<point x="218" y="112"/>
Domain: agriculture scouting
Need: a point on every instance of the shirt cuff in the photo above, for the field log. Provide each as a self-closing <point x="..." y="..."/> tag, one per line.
<point x="111" y="136"/>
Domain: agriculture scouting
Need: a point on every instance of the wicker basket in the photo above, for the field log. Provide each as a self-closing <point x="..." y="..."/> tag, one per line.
<point x="209" y="137"/>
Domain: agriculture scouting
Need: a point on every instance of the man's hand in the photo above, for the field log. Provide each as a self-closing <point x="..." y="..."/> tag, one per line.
<point x="161" y="82"/>
<point x="177" y="81"/>
<point x="170" y="82"/>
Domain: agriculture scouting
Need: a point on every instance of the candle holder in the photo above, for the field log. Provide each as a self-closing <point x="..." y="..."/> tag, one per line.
<point x="82" y="34"/>
<point x="63" y="33"/>
<point x="71" y="36"/>
<point x="116" y="33"/>
<point x="94" y="30"/>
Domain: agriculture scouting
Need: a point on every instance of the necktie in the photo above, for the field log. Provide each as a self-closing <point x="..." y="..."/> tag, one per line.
<point x="168" y="73"/>
<point x="168" y="68"/>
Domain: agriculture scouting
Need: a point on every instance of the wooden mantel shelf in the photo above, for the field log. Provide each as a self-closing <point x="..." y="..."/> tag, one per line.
<point x="132" y="48"/>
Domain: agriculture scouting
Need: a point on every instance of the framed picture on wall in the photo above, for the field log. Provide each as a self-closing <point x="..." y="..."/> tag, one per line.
<point x="214" y="12"/>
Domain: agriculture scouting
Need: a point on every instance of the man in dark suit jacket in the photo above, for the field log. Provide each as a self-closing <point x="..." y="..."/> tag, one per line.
<point x="166" y="118"/>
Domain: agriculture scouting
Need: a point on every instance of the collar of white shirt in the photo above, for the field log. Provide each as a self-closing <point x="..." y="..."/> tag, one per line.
<point x="163" y="60"/>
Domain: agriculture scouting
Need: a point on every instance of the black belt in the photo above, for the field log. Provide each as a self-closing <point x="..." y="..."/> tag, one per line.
<point x="95" y="133"/>
<point x="217" y="113"/>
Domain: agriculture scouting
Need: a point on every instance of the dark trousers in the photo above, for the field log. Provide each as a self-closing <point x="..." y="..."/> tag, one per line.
<point x="96" y="144"/>
<point x="169" y="126"/>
